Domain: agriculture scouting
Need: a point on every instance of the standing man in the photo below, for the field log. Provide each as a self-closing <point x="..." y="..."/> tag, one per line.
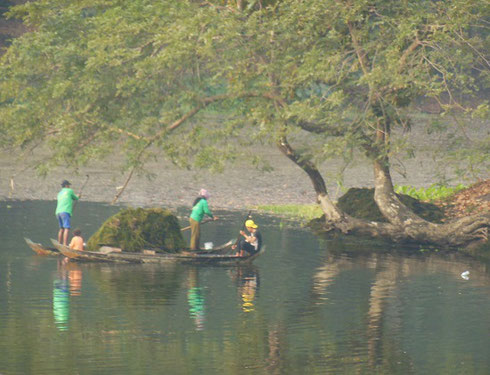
<point x="64" y="210"/>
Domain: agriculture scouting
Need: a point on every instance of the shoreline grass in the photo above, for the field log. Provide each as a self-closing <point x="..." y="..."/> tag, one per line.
<point x="308" y="212"/>
<point x="304" y="212"/>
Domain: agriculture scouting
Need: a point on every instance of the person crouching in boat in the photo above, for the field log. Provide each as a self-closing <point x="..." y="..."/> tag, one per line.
<point x="76" y="242"/>
<point x="250" y="243"/>
<point x="199" y="209"/>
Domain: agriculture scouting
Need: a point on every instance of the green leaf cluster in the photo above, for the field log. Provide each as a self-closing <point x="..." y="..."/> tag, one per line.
<point x="191" y="81"/>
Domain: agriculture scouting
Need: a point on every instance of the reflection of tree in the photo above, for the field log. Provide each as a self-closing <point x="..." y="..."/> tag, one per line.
<point x="384" y="285"/>
<point x="383" y="350"/>
<point x="277" y="342"/>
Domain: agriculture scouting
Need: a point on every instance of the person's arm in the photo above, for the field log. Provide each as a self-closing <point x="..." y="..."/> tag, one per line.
<point x="250" y="239"/>
<point x="74" y="196"/>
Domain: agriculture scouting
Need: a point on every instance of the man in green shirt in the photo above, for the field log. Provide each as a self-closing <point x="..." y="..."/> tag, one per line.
<point x="199" y="209"/>
<point x="64" y="210"/>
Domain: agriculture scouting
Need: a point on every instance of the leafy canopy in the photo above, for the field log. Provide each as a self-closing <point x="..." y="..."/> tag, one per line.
<point x="180" y="78"/>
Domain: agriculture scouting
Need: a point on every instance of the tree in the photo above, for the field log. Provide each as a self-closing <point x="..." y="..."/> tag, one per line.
<point x="143" y="77"/>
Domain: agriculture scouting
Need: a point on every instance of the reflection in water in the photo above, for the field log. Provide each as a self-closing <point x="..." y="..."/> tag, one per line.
<point x="195" y="298"/>
<point x="248" y="281"/>
<point x="318" y="311"/>
<point x="75" y="277"/>
<point x="61" y="303"/>
<point x="382" y="289"/>
<point x="277" y="345"/>
<point x="68" y="283"/>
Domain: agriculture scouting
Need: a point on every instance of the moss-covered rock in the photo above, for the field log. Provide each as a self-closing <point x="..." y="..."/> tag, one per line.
<point x="359" y="203"/>
<point x="134" y="229"/>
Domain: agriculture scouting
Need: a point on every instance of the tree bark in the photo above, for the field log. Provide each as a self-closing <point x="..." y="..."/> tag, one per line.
<point x="403" y="225"/>
<point x="415" y="229"/>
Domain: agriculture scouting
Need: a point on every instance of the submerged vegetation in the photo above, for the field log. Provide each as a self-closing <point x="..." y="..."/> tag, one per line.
<point x="135" y="229"/>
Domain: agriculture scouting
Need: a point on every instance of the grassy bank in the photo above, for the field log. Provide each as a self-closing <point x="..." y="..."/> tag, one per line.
<point x="303" y="213"/>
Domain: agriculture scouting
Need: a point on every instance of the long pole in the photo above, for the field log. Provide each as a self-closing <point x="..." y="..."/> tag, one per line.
<point x="202" y="222"/>
<point x="80" y="193"/>
<point x="243" y="227"/>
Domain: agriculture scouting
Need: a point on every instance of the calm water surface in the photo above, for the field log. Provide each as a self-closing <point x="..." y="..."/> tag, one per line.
<point x="306" y="306"/>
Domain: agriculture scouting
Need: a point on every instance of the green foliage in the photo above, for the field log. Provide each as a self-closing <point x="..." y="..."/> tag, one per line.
<point x="142" y="77"/>
<point x="135" y="229"/>
<point x="433" y="193"/>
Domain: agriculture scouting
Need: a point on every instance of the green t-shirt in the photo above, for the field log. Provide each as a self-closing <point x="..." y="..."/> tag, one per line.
<point x="66" y="196"/>
<point x="200" y="209"/>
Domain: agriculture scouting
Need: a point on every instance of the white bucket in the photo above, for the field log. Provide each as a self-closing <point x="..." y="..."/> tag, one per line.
<point x="208" y="245"/>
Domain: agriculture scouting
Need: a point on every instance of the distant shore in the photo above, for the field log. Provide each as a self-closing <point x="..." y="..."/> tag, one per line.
<point x="240" y="186"/>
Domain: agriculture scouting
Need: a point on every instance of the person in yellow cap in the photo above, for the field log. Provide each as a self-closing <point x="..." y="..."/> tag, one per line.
<point x="252" y="242"/>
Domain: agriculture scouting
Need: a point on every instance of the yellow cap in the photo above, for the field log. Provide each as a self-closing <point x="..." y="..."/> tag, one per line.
<point x="251" y="224"/>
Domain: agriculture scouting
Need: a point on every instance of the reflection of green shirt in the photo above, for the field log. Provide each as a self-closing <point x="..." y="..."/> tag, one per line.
<point x="61" y="304"/>
<point x="200" y="209"/>
<point x="66" y="196"/>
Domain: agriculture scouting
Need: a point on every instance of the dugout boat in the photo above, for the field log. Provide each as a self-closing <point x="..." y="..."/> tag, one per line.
<point x="116" y="255"/>
<point x="41" y="249"/>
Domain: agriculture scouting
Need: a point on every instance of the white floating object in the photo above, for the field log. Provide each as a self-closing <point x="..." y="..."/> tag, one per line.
<point x="208" y="245"/>
<point x="466" y="275"/>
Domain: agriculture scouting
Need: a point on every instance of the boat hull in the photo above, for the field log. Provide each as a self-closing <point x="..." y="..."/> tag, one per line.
<point x="41" y="249"/>
<point x="126" y="257"/>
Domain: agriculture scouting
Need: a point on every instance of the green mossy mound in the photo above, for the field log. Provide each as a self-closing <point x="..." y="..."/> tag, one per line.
<point x="134" y="229"/>
<point x="359" y="203"/>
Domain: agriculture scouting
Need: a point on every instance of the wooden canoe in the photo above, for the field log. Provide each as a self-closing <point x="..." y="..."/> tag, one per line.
<point x="41" y="249"/>
<point x="142" y="257"/>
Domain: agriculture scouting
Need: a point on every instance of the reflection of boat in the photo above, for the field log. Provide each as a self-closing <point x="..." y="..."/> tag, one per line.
<point x="112" y="254"/>
<point x="41" y="249"/>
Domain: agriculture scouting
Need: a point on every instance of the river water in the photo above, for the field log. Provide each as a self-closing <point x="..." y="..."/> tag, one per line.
<point x="306" y="305"/>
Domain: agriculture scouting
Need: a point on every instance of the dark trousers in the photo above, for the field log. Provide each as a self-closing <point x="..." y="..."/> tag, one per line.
<point x="244" y="245"/>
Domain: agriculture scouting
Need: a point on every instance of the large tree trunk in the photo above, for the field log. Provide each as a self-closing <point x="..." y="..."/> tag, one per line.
<point x="403" y="224"/>
<point x="414" y="228"/>
<point x="335" y="218"/>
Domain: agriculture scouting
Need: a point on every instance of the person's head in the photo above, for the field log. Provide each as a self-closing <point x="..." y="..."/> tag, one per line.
<point x="251" y="226"/>
<point x="204" y="193"/>
<point x="77" y="232"/>
<point x="65" y="183"/>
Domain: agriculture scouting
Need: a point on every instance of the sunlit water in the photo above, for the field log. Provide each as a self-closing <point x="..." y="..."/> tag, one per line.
<point x="306" y="306"/>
